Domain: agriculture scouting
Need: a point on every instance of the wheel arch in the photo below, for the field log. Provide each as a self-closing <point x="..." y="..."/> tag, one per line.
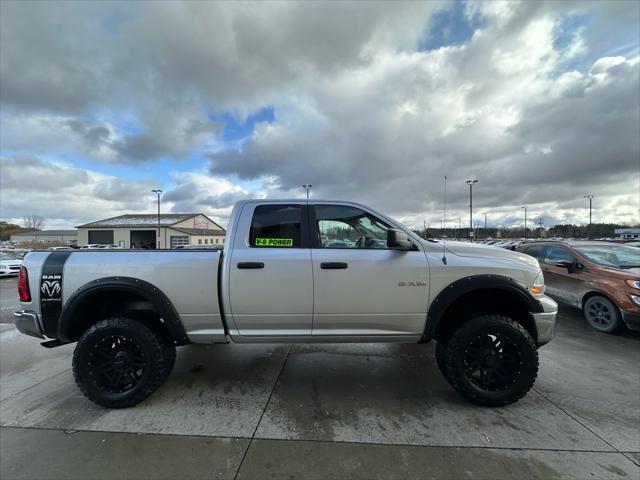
<point x="596" y="293"/>
<point x="473" y="294"/>
<point x="117" y="295"/>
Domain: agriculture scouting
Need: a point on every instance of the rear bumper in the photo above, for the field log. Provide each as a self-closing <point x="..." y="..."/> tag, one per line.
<point x="632" y="320"/>
<point x="28" y="323"/>
<point x="546" y="320"/>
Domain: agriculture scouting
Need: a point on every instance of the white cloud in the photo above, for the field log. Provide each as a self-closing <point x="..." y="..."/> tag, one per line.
<point x="66" y="196"/>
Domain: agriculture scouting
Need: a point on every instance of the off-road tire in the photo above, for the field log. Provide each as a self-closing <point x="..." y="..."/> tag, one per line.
<point x="516" y="354"/>
<point x="154" y="361"/>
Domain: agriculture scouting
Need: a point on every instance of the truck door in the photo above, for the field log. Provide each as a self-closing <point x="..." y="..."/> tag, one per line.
<point x="361" y="287"/>
<point x="270" y="277"/>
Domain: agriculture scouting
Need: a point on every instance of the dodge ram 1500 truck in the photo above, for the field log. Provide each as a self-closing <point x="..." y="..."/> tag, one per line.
<point x="292" y="271"/>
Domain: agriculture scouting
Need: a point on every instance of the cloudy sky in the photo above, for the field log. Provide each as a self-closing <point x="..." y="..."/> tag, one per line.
<point x="374" y="102"/>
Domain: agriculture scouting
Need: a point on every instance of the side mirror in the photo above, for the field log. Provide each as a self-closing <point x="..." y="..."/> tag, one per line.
<point x="398" y="240"/>
<point x="572" y="267"/>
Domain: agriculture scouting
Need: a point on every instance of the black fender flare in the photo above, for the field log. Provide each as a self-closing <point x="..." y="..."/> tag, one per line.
<point x="160" y="302"/>
<point x="468" y="284"/>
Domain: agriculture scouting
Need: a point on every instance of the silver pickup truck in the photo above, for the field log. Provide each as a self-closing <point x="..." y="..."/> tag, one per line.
<point x="292" y="271"/>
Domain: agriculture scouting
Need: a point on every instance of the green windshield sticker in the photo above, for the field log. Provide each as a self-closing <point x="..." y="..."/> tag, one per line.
<point x="274" y="242"/>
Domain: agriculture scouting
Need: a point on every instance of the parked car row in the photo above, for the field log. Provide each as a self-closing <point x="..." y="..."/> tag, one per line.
<point x="601" y="278"/>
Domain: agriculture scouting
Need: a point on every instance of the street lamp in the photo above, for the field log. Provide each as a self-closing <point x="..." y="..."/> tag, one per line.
<point x="590" y="197"/>
<point x="444" y="210"/>
<point x="470" y="183"/>
<point x="485" y="224"/>
<point x="525" y="207"/>
<point x="307" y="188"/>
<point x="158" y="192"/>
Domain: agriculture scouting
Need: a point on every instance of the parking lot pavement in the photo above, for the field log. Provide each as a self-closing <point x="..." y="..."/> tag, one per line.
<point x="8" y="299"/>
<point x="326" y="411"/>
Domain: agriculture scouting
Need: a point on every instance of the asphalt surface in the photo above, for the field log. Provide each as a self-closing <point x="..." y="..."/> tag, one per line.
<point x="326" y="411"/>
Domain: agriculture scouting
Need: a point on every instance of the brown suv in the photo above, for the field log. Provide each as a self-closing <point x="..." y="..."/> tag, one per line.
<point x="601" y="278"/>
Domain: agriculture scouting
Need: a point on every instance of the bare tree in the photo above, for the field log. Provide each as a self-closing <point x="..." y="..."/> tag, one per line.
<point x="32" y="221"/>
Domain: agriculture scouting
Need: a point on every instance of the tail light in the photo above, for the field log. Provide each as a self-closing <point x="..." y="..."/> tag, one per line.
<point x="23" y="285"/>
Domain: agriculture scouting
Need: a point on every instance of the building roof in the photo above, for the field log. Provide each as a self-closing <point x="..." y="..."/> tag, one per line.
<point x="143" y="220"/>
<point x="199" y="231"/>
<point x="44" y="233"/>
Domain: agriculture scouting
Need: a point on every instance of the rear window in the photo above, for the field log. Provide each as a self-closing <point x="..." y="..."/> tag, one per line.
<point x="276" y="226"/>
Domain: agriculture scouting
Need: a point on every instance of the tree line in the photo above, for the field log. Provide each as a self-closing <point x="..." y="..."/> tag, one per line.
<point x="595" y="230"/>
<point x="31" y="223"/>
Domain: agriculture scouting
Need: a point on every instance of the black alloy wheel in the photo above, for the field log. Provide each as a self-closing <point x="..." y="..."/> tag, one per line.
<point x="492" y="362"/>
<point x="118" y="363"/>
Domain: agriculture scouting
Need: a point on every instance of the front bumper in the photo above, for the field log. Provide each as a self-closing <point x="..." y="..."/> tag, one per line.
<point x="632" y="320"/>
<point x="28" y="323"/>
<point x="546" y="320"/>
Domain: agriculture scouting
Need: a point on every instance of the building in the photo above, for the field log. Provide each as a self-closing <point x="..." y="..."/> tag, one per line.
<point x="139" y="231"/>
<point x="64" y="236"/>
<point x="624" y="233"/>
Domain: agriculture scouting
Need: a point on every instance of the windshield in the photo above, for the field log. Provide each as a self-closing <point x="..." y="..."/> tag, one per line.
<point x="8" y="256"/>
<point x="620" y="256"/>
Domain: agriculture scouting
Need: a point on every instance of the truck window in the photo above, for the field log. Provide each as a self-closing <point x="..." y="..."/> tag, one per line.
<point x="276" y="226"/>
<point x="341" y="226"/>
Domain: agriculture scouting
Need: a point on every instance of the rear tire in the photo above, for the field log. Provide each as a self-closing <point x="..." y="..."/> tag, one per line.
<point x="602" y="314"/>
<point x="119" y="362"/>
<point x="491" y="360"/>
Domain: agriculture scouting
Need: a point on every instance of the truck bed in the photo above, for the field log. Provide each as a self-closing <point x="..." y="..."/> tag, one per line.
<point x="189" y="278"/>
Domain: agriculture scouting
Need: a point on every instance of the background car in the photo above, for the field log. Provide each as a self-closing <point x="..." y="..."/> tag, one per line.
<point x="9" y="264"/>
<point x="601" y="278"/>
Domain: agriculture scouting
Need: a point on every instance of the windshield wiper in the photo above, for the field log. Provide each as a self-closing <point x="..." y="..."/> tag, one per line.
<point x="629" y="266"/>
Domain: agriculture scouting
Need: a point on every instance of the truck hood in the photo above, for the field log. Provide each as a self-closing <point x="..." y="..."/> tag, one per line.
<point x="467" y="249"/>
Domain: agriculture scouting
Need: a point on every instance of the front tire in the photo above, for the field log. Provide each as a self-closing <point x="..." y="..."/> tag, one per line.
<point x="602" y="314"/>
<point x="119" y="362"/>
<point x="491" y="360"/>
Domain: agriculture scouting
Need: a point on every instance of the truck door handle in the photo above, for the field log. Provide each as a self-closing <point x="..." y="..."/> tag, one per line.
<point x="333" y="265"/>
<point x="248" y="265"/>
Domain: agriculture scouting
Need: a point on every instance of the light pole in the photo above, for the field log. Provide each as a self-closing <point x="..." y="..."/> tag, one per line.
<point x="540" y="223"/>
<point x="444" y="210"/>
<point x="525" y="207"/>
<point x="590" y="197"/>
<point x="485" y="224"/>
<point x="470" y="183"/>
<point x="307" y="188"/>
<point x="158" y="192"/>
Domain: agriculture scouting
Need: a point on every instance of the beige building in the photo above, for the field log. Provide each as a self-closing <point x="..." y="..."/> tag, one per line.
<point x="64" y="236"/>
<point x="139" y="231"/>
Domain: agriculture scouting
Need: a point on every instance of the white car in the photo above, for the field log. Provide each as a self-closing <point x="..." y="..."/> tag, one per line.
<point x="9" y="264"/>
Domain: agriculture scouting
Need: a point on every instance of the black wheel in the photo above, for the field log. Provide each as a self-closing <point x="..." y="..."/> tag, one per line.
<point x="602" y="314"/>
<point x="491" y="360"/>
<point x="119" y="362"/>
